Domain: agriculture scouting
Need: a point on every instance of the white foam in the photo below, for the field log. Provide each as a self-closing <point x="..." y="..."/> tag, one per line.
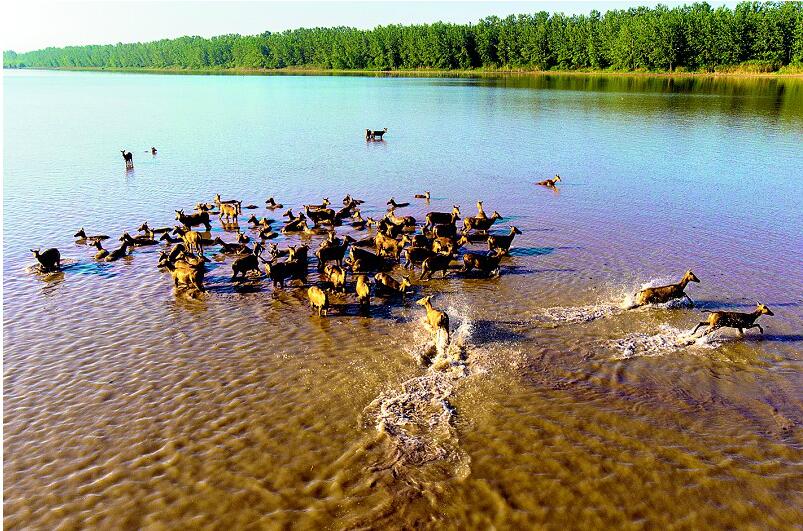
<point x="418" y="417"/>
<point x="615" y="303"/>
<point x="667" y="341"/>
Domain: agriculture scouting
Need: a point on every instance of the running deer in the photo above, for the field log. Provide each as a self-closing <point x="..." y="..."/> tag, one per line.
<point x="738" y="320"/>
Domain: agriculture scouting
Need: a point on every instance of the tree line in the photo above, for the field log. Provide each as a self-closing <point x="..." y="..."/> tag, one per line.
<point x="763" y="35"/>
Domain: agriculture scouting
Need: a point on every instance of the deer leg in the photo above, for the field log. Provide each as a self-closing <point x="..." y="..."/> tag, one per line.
<point x="701" y="323"/>
<point x="711" y="328"/>
<point x="756" y="326"/>
<point x="741" y="332"/>
<point x="688" y="299"/>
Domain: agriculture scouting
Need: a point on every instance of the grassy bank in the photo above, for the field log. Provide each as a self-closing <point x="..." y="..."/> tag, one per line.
<point x="736" y="71"/>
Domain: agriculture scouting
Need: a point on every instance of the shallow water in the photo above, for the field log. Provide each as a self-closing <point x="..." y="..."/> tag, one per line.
<point x="128" y="405"/>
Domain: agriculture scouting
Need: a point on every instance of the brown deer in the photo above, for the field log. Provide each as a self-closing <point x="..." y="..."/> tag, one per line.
<point x="738" y="320"/>
<point x="128" y="157"/>
<point x="549" y="182"/>
<point x="438" y="320"/>
<point x="662" y="294"/>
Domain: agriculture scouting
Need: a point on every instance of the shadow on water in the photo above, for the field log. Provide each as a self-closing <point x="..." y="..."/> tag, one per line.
<point x="475" y="274"/>
<point x="239" y="287"/>
<point x="101" y="269"/>
<point x="531" y="251"/>
<point x="746" y="306"/>
<point x="485" y="332"/>
<point x="520" y="270"/>
<point x="778" y="338"/>
<point x="52" y="281"/>
<point x="375" y="311"/>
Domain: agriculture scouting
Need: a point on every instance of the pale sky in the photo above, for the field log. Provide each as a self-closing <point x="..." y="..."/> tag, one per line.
<point x="30" y="24"/>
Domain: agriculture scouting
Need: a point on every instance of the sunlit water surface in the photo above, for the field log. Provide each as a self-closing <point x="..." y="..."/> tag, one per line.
<point x="128" y="405"/>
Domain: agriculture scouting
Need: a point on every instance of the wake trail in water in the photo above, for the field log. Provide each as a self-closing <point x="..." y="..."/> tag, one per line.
<point x="619" y="302"/>
<point x="667" y="341"/>
<point x="418" y="419"/>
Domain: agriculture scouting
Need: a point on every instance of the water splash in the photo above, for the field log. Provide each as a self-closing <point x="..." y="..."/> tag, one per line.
<point x="418" y="419"/>
<point x="35" y="268"/>
<point x="579" y="314"/>
<point x="616" y="303"/>
<point x="668" y="340"/>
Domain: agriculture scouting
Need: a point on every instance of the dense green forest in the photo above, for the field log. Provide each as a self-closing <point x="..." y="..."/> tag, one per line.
<point x="761" y="36"/>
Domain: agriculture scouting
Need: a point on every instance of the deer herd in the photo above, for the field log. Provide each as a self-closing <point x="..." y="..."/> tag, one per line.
<point x="434" y="246"/>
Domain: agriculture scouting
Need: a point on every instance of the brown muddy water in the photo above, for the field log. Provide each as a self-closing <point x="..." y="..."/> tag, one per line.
<point x="127" y="405"/>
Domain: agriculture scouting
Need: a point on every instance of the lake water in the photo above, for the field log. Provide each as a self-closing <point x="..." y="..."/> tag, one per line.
<point x="129" y="405"/>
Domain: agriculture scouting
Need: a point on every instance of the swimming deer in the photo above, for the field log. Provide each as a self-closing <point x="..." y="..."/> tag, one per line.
<point x="256" y="222"/>
<point x="228" y="248"/>
<point x="158" y="230"/>
<point x="393" y="204"/>
<point x="297" y="224"/>
<point x="425" y="195"/>
<point x="348" y="199"/>
<point x="83" y="238"/>
<point x="102" y="253"/>
<point x="323" y="215"/>
<point x="169" y="239"/>
<point x="272" y="204"/>
<point x="138" y="241"/>
<point x="118" y="253"/>
<point x="549" y="182"/>
<point x="406" y="222"/>
<point x="325" y="203"/>
<point x="663" y="294"/>
<point x="738" y="320"/>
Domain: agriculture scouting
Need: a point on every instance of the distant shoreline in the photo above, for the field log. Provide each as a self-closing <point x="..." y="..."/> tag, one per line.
<point x="422" y="72"/>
